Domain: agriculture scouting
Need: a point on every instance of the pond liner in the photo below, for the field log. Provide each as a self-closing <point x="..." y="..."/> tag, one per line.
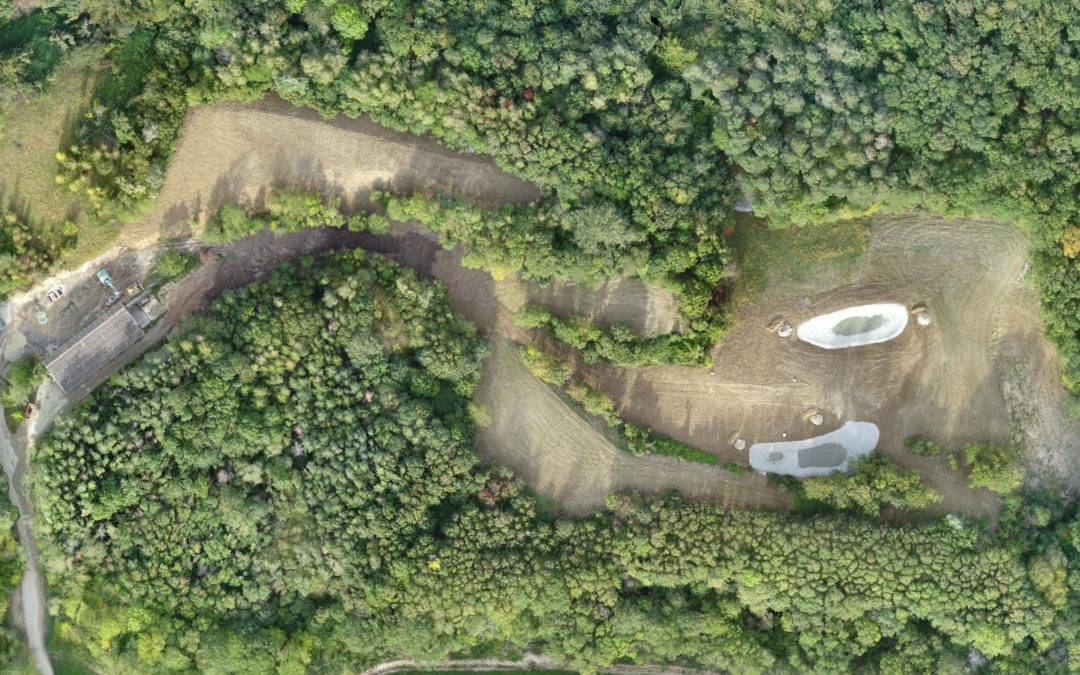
<point x="855" y="326"/>
<point x="818" y="456"/>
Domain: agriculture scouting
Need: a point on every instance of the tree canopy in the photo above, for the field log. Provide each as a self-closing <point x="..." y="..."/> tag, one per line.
<point x="290" y="483"/>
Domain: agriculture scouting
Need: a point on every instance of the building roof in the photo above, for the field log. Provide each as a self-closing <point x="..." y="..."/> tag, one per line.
<point x="86" y="353"/>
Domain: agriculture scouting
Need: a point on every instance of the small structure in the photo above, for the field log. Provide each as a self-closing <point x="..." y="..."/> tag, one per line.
<point x="55" y="293"/>
<point x="88" y="351"/>
<point x="740" y="443"/>
<point x="922" y="314"/>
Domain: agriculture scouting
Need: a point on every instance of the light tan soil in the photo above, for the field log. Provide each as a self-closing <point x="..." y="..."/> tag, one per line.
<point x="649" y="309"/>
<point x="231" y="152"/>
<point x="938" y="380"/>
<point x="541" y="438"/>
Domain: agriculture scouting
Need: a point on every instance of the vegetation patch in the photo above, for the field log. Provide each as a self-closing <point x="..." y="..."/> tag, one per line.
<point x="14" y="656"/>
<point x="28" y="252"/>
<point x="21" y="381"/>
<point x="872" y="483"/>
<point x="288" y="211"/>
<point x="778" y="260"/>
<point x="171" y="265"/>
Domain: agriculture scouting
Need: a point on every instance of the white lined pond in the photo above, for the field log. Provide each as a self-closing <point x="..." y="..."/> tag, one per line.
<point x="855" y="326"/>
<point x="816" y="456"/>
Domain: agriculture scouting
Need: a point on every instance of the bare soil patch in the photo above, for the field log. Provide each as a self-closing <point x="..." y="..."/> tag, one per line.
<point x="541" y="438"/>
<point x="940" y="380"/>
<point x="232" y="152"/>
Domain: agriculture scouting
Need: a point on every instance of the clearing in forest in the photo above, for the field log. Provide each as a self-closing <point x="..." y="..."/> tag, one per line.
<point x="942" y="380"/>
<point x="945" y="380"/>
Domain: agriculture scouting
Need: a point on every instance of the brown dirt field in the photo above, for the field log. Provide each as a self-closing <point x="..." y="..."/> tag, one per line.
<point x="649" y="309"/>
<point x="232" y="152"/>
<point x="940" y="381"/>
<point x="548" y="445"/>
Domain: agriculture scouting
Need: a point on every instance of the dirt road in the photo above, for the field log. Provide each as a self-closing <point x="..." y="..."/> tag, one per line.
<point x="554" y="450"/>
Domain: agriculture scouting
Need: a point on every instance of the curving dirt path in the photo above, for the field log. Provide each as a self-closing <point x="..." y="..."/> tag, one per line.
<point x="560" y="455"/>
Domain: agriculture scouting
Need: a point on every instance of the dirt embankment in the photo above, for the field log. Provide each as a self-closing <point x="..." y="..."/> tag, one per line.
<point x="560" y="455"/>
<point x="237" y="153"/>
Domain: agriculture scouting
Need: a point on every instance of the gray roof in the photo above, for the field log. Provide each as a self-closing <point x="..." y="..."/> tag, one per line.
<point x="88" y="352"/>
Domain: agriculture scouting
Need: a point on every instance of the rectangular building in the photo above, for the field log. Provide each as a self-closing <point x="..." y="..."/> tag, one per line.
<point x="89" y="351"/>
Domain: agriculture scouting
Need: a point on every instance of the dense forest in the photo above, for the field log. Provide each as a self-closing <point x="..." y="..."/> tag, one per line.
<point x="14" y="657"/>
<point x="290" y="483"/>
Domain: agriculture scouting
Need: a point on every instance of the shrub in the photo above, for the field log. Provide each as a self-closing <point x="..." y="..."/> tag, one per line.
<point x="174" y="264"/>
<point x="992" y="467"/>
<point x="22" y="379"/>
<point x="545" y="366"/>
<point x="923" y="446"/>
<point x="873" y="482"/>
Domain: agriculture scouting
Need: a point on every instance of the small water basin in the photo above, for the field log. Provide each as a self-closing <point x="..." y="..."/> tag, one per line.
<point x="855" y="326"/>
<point x="816" y="456"/>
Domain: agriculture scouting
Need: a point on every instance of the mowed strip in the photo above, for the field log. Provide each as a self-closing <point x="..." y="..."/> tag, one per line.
<point x="548" y="445"/>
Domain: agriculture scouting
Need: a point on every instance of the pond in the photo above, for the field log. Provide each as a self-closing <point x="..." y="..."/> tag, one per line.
<point x="855" y="326"/>
<point x="816" y="456"/>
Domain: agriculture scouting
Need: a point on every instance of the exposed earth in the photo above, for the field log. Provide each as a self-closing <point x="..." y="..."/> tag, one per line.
<point x="944" y="380"/>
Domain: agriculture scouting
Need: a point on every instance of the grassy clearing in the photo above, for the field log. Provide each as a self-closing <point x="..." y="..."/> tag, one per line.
<point x="778" y="261"/>
<point x="34" y="129"/>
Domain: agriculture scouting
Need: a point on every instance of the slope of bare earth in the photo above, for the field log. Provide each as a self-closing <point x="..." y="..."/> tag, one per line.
<point x="232" y="152"/>
<point x="939" y="380"/>
<point x="541" y="438"/>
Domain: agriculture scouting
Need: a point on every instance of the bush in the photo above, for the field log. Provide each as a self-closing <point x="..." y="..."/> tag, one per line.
<point x="22" y="380"/>
<point x="923" y="446"/>
<point x="872" y="483"/>
<point x="174" y="264"/>
<point x="992" y="467"/>
<point x="294" y="211"/>
<point x="27" y="252"/>
<point x="545" y="366"/>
